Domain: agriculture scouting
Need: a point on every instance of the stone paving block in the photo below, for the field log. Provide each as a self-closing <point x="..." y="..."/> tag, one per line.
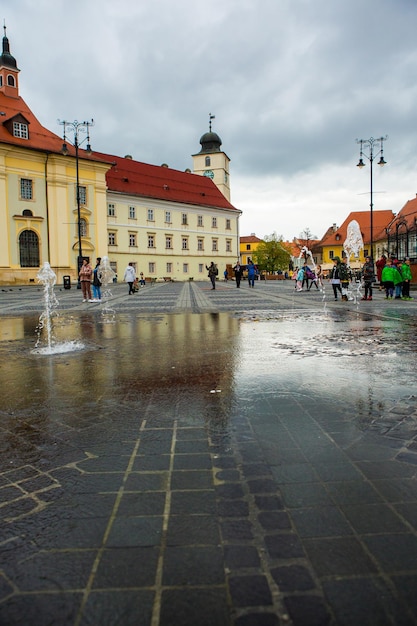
<point x="124" y="568"/>
<point x="121" y="606"/>
<point x="394" y="552"/>
<point x="196" y="565"/>
<point x="188" y="530"/>
<point x="338" y="556"/>
<point x="206" y="606"/>
<point x="250" y="590"/>
<point x="324" y="521"/>
<point x="307" y="610"/>
<point x="193" y="502"/>
<point x="293" y="578"/>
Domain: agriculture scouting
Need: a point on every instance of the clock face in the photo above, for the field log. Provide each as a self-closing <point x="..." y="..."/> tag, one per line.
<point x="209" y="174"/>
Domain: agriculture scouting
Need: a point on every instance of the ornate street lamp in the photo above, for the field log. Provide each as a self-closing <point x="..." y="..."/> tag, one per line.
<point x="76" y="128"/>
<point x="379" y="149"/>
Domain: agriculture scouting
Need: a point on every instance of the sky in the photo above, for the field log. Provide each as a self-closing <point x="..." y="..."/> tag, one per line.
<point x="292" y="85"/>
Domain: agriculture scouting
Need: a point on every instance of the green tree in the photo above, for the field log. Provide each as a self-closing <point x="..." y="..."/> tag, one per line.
<point x="271" y="255"/>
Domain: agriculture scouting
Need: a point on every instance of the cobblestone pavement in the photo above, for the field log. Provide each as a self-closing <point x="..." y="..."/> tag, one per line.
<point x="222" y="458"/>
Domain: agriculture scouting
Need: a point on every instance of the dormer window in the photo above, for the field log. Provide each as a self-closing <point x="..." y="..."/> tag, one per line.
<point x="20" y="130"/>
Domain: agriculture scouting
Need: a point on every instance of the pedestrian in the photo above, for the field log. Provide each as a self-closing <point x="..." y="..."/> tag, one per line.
<point x="238" y="271"/>
<point x="380" y="264"/>
<point x="398" y="286"/>
<point x="97" y="281"/>
<point x="212" y="274"/>
<point x="251" y="273"/>
<point x="407" y="277"/>
<point x="334" y="277"/>
<point x="368" y="276"/>
<point x="300" y="278"/>
<point x="345" y="277"/>
<point x="312" y="277"/>
<point x="142" y="279"/>
<point x="226" y="275"/>
<point x="85" y="279"/>
<point x="390" y="277"/>
<point x="130" y="277"/>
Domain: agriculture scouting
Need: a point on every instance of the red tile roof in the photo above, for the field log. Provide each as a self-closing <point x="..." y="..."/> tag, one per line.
<point x="250" y="239"/>
<point x="39" y="137"/>
<point x="162" y="183"/>
<point x="406" y="217"/>
<point x="380" y="220"/>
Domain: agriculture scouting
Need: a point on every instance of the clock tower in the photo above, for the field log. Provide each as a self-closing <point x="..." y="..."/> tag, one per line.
<point x="211" y="161"/>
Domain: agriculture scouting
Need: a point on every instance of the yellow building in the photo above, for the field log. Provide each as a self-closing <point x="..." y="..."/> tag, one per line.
<point x="59" y="200"/>
<point x="248" y="245"/>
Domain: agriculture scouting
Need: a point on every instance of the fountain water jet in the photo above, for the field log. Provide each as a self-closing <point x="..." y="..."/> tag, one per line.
<point x="352" y="246"/>
<point x="47" y="276"/>
<point x="107" y="276"/>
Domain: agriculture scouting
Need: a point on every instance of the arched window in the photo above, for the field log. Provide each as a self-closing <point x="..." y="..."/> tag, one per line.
<point x="27" y="213"/>
<point x="10" y="80"/>
<point x="83" y="227"/>
<point x="29" y="249"/>
<point x="208" y="161"/>
<point x="1" y="81"/>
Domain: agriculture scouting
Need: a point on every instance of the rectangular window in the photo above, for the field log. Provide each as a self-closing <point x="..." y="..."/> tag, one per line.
<point x="168" y="242"/>
<point x="227" y="224"/>
<point x="214" y="222"/>
<point x="132" y="240"/>
<point x="151" y="267"/>
<point x="169" y="268"/>
<point x="200" y="245"/>
<point x="20" y="130"/>
<point x="112" y="239"/>
<point x="111" y="210"/>
<point x="132" y="213"/>
<point x="228" y="245"/>
<point x="214" y="245"/>
<point x="26" y="189"/>
<point x="331" y="254"/>
<point x="113" y="265"/>
<point x="151" y="241"/>
<point x="168" y="217"/>
<point x="199" y="220"/>
<point x="83" y="194"/>
<point x="200" y="268"/>
<point x="185" y="268"/>
<point x="184" y="243"/>
<point x="150" y="215"/>
<point x="184" y="219"/>
<point x="248" y="246"/>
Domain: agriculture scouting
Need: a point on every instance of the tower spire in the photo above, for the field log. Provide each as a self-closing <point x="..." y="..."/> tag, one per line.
<point x="211" y="117"/>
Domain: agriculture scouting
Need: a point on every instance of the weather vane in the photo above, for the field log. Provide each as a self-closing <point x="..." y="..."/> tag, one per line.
<point x="211" y="117"/>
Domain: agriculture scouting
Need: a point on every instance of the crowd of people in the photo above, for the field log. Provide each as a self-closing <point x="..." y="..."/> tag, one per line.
<point x="392" y="275"/>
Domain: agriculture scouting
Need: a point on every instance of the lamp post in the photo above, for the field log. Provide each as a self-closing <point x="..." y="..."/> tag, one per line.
<point x="375" y="147"/>
<point x="76" y="128"/>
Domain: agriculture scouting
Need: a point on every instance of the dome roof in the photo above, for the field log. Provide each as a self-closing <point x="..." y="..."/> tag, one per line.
<point x="210" y="142"/>
<point x="6" y="58"/>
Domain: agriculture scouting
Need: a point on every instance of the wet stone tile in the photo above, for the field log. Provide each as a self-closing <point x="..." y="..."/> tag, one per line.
<point x="250" y="590"/>
<point x="193" y="446"/>
<point x="9" y="493"/>
<point x="186" y="530"/>
<point x="38" y="608"/>
<point x="255" y="469"/>
<point x="130" y="608"/>
<point x="307" y="610"/>
<point x="338" y="556"/>
<point x="394" y="552"/>
<point x="127" y="567"/>
<point x="258" y="619"/>
<point x="206" y="606"/>
<point x="5" y="588"/>
<point x="228" y="475"/>
<point x="406" y="586"/>
<point x="295" y="473"/>
<point x="353" y="492"/>
<point x="374" y="518"/>
<point x="192" y="461"/>
<point x="330" y="472"/>
<point x="147" y="481"/>
<point x="191" y="479"/>
<point x="135" y="531"/>
<point x="152" y="462"/>
<point x="230" y="491"/>
<point x="142" y="503"/>
<point x="408" y="511"/>
<point x="224" y="462"/>
<point x="274" y="520"/>
<point x="326" y="521"/>
<point x="293" y="578"/>
<point x="269" y="503"/>
<point x="233" y="508"/>
<point x="71" y="533"/>
<point x="236" y="530"/>
<point x="193" y="502"/>
<point x="398" y="490"/>
<point x="241" y="556"/>
<point x="304" y="495"/>
<point x="193" y="566"/>
<point x="284" y="546"/>
<point x="262" y="485"/>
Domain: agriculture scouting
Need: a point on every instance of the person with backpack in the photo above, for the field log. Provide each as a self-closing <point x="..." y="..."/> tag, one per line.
<point x="212" y="274"/>
<point x="368" y="275"/>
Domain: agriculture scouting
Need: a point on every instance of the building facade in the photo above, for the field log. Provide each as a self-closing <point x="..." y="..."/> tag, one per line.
<point x="56" y="200"/>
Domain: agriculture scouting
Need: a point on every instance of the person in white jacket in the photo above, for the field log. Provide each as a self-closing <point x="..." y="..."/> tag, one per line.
<point x="130" y="277"/>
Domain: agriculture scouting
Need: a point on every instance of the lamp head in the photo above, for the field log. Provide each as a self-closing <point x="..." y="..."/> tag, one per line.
<point x="382" y="161"/>
<point x="64" y="149"/>
<point x="361" y="164"/>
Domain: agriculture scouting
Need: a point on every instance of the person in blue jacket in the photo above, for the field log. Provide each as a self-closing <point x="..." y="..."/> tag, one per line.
<point x="251" y="273"/>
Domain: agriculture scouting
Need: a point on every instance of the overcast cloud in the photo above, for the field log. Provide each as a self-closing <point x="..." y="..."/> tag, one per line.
<point x="292" y="84"/>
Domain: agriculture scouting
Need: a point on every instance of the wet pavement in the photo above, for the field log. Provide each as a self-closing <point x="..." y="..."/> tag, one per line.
<point x="222" y="458"/>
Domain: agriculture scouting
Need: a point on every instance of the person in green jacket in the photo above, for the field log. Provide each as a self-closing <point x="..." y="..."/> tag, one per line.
<point x="407" y="277"/>
<point x="390" y="277"/>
